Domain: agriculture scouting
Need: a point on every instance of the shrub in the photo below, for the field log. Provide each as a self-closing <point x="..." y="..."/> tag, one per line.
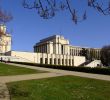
<point x="96" y="70"/>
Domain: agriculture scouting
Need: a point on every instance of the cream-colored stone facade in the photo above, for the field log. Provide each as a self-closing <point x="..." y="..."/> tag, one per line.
<point x="5" y="40"/>
<point x="54" y="50"/>
<point x="59" y="45"/>
<point x="53" y="45"/>
<point x="45" y="58"/>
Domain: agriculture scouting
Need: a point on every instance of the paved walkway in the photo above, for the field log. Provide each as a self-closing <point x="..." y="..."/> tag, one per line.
<point x="64" y="72"/>
<point x="6" y="79"/>
<point x="4" y="94"/>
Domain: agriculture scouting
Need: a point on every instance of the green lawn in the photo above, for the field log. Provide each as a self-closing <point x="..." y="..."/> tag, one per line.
<point x="60" y="88"/>
<point x="14" y="70"/>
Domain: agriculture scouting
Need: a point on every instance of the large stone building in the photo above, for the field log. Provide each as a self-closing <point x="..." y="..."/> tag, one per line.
<point x="54" y="50"/>
<point x="5" y="40"/>
<point x="59" y="45"/>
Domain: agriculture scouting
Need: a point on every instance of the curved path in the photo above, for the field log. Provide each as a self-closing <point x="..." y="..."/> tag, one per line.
<point x="4" y="94"/>
<point x="57" y="72"/>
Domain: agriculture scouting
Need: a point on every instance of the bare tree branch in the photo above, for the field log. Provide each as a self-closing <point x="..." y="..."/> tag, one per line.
<point x="48" y="8"/>
<point x="5" y="17"/>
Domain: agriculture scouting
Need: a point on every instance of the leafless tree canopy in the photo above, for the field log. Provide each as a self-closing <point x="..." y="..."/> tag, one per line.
<point x="5" y="17"/>
<point x="48" y="8"/>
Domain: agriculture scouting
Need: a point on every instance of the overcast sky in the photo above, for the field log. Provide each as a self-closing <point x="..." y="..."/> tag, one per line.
<point x="27" y="27"/>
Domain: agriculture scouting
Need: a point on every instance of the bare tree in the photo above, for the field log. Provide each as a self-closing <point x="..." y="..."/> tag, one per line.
<point x="48" y="8"/>
<point x="105" y="55"/>
<point x="5" y="17"/>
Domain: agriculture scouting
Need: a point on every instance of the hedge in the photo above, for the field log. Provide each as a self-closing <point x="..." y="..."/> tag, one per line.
<point x="96" y="70"/>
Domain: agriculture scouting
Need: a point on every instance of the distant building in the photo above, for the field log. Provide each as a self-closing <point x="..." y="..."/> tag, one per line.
<point x="5" y="40"/>
<point x="59" y="45"/>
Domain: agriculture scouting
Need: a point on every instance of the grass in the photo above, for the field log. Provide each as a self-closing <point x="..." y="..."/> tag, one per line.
<point x="14" y="70"/>
<point x="60" y="88"/>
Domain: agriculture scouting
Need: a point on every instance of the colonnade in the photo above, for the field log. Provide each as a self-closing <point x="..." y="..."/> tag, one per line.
<point x="55" y="59"/>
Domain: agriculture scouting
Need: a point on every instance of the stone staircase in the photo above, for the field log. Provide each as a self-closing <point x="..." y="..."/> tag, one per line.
<point x="93" y="63"/>
<point x="84" y="64"/>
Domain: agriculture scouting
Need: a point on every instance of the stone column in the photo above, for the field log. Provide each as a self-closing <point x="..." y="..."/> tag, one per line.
<point x="71" y="60"/>
<point x="52" y="56"/>
<point x="51" y="47"/>
<point x="48" y="58"/>
<point x="48" y="48"/>
<point x="43" y="58"/>
<point x="59" y="48"/>
<point x="61" y="59"/>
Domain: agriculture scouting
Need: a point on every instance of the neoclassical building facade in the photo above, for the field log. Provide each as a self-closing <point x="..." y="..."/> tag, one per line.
<point x="59" y="45"/>
<point x="54" y="50"/>
<point x="53" y="45"/>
